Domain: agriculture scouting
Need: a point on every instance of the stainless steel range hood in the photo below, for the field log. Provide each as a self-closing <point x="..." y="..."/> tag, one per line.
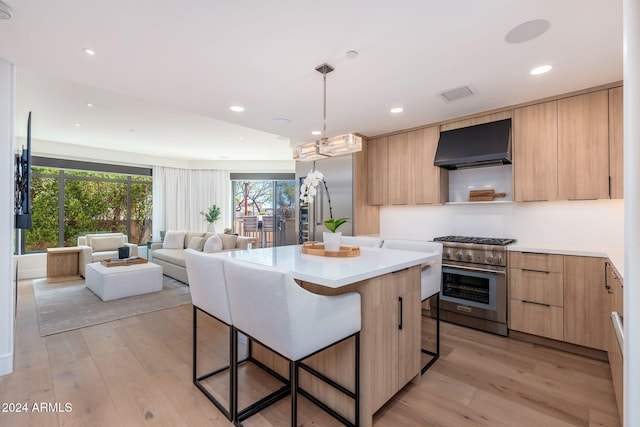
<point x="487" y="144"/>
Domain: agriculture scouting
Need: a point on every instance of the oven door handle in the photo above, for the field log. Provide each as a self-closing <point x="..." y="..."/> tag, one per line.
<point x="482" y="270"/>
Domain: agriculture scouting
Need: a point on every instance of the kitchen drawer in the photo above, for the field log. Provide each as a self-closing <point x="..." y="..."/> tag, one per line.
<point x="536" y="319"/>
<point x="536" y="286"/>
<point x="536" y="261"/>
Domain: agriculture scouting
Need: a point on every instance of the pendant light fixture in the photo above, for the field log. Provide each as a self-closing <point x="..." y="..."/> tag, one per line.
<point x="327" y="147"/>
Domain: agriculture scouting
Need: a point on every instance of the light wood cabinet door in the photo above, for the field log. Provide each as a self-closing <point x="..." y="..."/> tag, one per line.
<point x="378" y="165"/>
<point x="537" y="261"/>
<point x="535" y="152"/>
<point x="386" y="309"/>
<point x="400" y="155"/>
<point x="583" y="146"/>
<point x="613" y="349"/>
<point x="616" y="149"/>
<point x="534" y="286"/>
<point x="396" y="344"/>
<point x="410" y="328"/>
<point x="585" y="305"/>
<point x="430" y="183"/>
<point x="537" y="319"/>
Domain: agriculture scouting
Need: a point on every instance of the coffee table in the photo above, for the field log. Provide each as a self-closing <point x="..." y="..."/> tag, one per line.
<point x="111" y="283"/>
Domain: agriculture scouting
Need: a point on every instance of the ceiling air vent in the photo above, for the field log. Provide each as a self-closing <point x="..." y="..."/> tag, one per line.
<point x="457" y="93"/>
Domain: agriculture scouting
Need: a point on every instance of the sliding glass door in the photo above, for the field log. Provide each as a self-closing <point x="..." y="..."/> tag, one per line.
<point x="265" y="210"/>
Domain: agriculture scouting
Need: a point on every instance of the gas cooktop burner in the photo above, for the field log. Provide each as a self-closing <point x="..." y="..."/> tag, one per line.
<point x="475" y="240"/>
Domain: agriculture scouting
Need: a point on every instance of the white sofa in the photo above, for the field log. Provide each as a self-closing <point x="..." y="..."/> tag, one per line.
<point x="170" y="253"/>
<point x="99" y="246"/>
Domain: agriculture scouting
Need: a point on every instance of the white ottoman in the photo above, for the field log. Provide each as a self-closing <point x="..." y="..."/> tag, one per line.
<point x="119" y="282"/>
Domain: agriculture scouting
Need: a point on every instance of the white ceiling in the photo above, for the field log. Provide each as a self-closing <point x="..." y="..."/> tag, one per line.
<point x="166" y="72"/>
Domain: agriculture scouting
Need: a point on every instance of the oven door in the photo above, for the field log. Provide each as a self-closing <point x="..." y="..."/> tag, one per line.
<point x="476" y="292"/>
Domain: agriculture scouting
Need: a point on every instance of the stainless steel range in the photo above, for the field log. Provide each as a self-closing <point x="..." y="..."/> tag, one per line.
<point x="474" y="282"/>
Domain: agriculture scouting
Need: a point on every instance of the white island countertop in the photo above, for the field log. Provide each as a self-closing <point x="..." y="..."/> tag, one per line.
<point x="329" y="271"/>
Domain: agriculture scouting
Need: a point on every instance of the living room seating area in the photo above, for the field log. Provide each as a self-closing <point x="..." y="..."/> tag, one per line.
<point x="99" y="246"/>
<point x="170" y="252"/>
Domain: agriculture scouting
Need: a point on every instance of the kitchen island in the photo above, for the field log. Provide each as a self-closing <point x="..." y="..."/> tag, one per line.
<point x="388" y="281"/>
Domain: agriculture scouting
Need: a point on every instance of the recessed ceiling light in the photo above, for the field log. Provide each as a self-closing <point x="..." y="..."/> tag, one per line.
<point x="316" y="132"/>
<point x="236" y="108"/>
<point x="397" y="110"/>
<point x="77" y="125"/>
<point x="89" y="51"/>
<point x="280" y="121"/>
<point x="541" y="70"/>
<point x="352" y="54"/>
<point x="527" y="31"/>
<point x="90" y="105"/>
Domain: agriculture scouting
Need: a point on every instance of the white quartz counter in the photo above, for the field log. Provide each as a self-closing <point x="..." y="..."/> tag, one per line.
<point x="333" y="272"/>
<point x="615" y="255"/>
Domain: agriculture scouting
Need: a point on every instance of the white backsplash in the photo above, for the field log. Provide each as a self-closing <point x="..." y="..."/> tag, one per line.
<point x="462" y="181"/>
<point x="592" y="223"/>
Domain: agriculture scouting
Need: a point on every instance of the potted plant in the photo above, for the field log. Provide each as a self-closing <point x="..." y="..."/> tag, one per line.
<point x="307" y="191"/>
<point x="211" y="216"/>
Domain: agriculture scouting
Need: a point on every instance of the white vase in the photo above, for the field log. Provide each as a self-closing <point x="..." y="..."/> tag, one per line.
<point x="331" y="240"/>
<point x="211" y="227"/>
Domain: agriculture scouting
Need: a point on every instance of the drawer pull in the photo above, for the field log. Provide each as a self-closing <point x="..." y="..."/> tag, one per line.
<point x="535" y="271"/>
<point x="536" y="303"/>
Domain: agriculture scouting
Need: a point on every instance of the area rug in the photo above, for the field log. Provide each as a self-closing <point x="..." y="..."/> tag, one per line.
<point x="65" y="306"/>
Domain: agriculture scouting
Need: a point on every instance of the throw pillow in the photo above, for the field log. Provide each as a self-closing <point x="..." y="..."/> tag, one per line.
<point x="106" y="243"/>
<point x="228" y="240"/>
<point x="173" y="240"/>
<point x="196" y="243"/>
<point x="213" y="244"/>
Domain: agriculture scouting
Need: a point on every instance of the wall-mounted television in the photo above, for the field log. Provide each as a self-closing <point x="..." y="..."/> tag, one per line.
<point x="23" y="184"/>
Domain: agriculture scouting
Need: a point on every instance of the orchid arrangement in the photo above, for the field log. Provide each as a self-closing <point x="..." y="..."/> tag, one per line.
<point x="308" y="191"/>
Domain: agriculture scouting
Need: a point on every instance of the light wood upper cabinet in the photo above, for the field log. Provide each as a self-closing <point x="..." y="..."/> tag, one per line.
<point x="585" y="305"/>
<point x="430" y="183"/>
<point x="583" y="146"/>
<point x="402" y="172"/>
<point x="378" y="166"/>
<point x="616" y="150"/>
<point x="400" y="169"/>
<point x="535" y="152"/>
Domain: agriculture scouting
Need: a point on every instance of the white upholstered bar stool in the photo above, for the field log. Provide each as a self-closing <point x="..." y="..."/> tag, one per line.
<point x="209" y="295"/>
<point x="362" y="241"/>
<point x="269" y="307"/>
<point x="430" y="281"/>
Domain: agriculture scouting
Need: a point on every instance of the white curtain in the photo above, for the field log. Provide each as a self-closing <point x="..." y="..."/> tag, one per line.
<point x="179" y="195"/>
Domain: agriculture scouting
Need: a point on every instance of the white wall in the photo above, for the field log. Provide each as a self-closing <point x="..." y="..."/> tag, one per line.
<point x="7" y="106"/>
<point x="593" y="223"/>
<point x="631" y="55"/>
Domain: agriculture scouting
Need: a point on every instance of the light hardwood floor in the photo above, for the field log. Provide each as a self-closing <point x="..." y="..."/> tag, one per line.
<point x="137" y="371"/>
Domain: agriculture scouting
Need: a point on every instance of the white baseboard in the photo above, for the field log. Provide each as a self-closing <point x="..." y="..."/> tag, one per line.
<point x="6" y="364"/>
<point x="35" y="273"/>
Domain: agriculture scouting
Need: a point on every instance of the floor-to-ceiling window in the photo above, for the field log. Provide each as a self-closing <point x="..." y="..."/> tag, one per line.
<point x="264" y="206"/>
<point x="71" y="198"/>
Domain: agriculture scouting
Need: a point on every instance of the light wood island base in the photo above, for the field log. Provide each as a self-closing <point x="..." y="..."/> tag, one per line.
<point x="389" y="356"/>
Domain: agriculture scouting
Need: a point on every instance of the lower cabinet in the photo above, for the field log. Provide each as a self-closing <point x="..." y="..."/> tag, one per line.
<point x="585" y="314"/>
<point x="396" y="301"/>
<point x="615" y="304"/>
<point x="558" y="297"/>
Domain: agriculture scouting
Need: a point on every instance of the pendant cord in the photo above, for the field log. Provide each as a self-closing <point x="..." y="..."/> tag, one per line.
<point x="324" y="123"/>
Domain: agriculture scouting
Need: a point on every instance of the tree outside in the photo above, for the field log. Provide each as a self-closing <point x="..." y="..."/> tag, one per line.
<point x="93" y="202"/>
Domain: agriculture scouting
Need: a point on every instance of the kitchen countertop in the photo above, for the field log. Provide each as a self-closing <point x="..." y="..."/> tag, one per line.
<point x="615" y="255"/>
<point x="329" y="271"/>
